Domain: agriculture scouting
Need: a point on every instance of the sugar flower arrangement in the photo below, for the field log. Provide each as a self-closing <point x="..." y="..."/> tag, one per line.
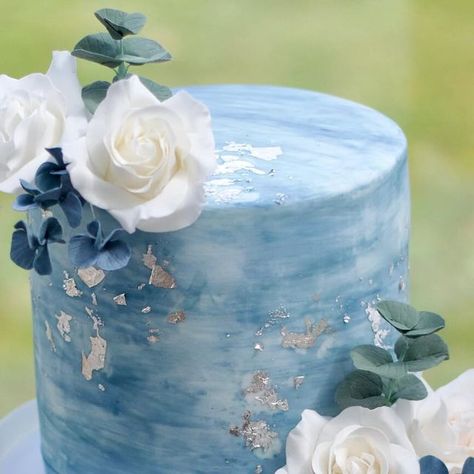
<point x="392" y="422"/>
<point x="128" y="146"/>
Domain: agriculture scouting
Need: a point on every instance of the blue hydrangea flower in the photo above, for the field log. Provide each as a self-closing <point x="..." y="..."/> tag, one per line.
<point x="30" y="251"/>
<point x="109" y="253"/>
<point x="433" y="465"/>
<point x="52" y="185"/>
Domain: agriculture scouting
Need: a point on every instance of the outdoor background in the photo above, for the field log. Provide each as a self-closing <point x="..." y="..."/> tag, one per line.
<point x="411" y="59"/>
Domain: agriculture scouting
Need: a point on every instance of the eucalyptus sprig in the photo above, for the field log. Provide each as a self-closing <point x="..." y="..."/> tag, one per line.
<point x="381" y="377"/>
<point x="119" y="49"/>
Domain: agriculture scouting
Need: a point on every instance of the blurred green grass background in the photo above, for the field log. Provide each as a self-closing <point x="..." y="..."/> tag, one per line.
<point x="411" y="59"/>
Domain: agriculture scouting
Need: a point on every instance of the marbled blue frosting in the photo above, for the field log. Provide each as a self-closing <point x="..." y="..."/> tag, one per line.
<point x="306" y="225"/>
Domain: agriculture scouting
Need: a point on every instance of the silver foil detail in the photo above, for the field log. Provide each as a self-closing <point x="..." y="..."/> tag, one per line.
<point x="91" y="276"/>
<point x="298" y="381"/>
<point x="274" y="317"/>
<point x="101" y="387"/>
<point x="146" y="310"/>
<point x="70" y="287"/>
<point x="153" y="335"/>
<point x="258" y="346"/>
<point x="159" y="277"/>
<point x="120" y="300"/>
<point x="258" y="469"/>
<point x="262" y="390"/>
<point x="376" y="324"/>
<point x="305" y="340"/>
<point x="96" y="358"/>
<point x="257" y="435"/>
<point x="64" y="326"/>
<point x="176" y="317"/>
<point x="49" y="336"/>
<point x="94" y="299"/>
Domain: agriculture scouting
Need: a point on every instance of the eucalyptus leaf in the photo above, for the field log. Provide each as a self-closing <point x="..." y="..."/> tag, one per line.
<point x="400" y="315"/>
<point x="119" y="23"/>
<point x="99" y="48"/>
<point x="361" y="388"/>
<point x="409" y="387"/>
<point x="159" y="91"/>
<point x="427" y="324"/>
<point x="377" y="360"/>
<point x="140" y="51"/>
<point x="421" y="353"/>
<point x="93" y="94"/>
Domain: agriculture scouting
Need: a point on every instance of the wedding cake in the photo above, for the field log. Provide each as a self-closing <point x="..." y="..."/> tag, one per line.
<point x="215" y="281"/>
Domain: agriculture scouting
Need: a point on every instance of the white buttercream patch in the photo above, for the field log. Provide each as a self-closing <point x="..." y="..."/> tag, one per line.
<point x="376" y="323"/>
<point x="267" y="153"/>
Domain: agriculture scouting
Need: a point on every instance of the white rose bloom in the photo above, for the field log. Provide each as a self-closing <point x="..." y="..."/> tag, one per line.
<point x="37" y="111"/>
<point x="143" y="160"/>
<point x="443" y="423"/>
<point x="357" y="441"/>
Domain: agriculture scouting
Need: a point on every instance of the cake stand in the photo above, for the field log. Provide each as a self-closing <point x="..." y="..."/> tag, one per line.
<point x="20" y="442"/>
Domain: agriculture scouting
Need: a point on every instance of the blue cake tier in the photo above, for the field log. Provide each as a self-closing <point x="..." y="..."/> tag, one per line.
<point x="200" y="356"/>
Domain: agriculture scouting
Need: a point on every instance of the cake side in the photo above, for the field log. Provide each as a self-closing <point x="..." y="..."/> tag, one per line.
<point x="202" y="353"/>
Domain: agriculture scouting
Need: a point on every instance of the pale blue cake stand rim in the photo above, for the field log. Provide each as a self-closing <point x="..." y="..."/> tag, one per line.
<point x="20" y="441"/>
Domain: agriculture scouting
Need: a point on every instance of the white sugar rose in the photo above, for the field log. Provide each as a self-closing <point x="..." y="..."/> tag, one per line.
<point x="143" y="160"/>
<point x="37" y="111"/>
<point x="357" y="441"/>
<point x="443" y="423"/>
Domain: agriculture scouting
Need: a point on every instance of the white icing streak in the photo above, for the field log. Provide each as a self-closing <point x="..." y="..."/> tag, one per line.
<point x="64" y="326"/>
<point x="49" y="336"/>
<point x="266" y="153"/>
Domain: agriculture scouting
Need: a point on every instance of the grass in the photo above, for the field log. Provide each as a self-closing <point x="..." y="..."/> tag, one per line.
<point x="411" y="59"/>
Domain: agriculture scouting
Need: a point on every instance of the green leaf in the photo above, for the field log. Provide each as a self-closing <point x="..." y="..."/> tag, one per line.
<point x="361" y="388"/>
<point x="159" y="91"/>
<point x="99" y="48"/>
<point x="400" y="315"/>
<point x="409" y="387"/>
<point x="140" y="51"/>
<point x="94" y="94"/>
<point x="427" y="324"/>
<point x="119" y="23"/>
<point x="421" y="353"/>
<point x="377" y="360"/>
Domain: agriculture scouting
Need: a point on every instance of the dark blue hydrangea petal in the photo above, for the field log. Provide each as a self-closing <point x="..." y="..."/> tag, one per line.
<point x="48" y="198"/>
<point x="21" y="253"/>
<point x="116" y="234"/>
<point x="24" y="202"/>
<point x="468" y="467"/>
<point x="72" y="208"/>
<point x="95" y="230"/>
<point x="50" y="231"/>
<point x="114" y="255"/>
<point x="42" y="262"/>
<point x="57" y="154"/>
<point x="28" y="187"/>
<point x="82" y="251"/>
<point x="432" y="465"/>
<point x="45" y="180"/>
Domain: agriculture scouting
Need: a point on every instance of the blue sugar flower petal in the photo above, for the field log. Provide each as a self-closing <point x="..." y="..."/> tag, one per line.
<point x="48" y="198"/>
<point x="21" y="253"/>
<point x="114" y="255"/>
<point x="24" y="202"/>
<point x="50" y="231"/>
<point x="82" y="251"/>
<point x="116" y="234"/>
<point x="468" y="467"/>
<point x="95" y="230"/>
<point x="432" y="465"/>
<point x="28" y="187"/>
<point x="45" y="180"/>
<point x="42" y="263"/>
<point x="72" y="208"/>
<point x="57" y="154"/>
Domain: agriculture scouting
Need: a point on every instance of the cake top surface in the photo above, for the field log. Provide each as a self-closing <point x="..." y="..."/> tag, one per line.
<point x="280" y="145"/>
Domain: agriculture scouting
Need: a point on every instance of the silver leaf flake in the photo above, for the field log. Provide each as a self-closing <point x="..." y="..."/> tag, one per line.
<point x="69" y="286"/>
<point x="275" y="317"/>
<point x="46" y="214"/>
<point x="91" y="276"/>
<point x="120" y="300"/>
<point x="258" y="346"/>
<point x="94" y="299"/>
<point x="159" y="277"/>
<point x="49" y="336"/>
<point x="95" y="318"/>
<point x="96" y="358"/>
<point x="101" y="387"/>
<point x="376" y="323"/>
<point x="64" y="326"/>
<point x="153" y="336"/>
<point x="146" y="310"/>
<point x="262" y="390"/>
<point x="176" y="317"/>
<point x="258" y="469"/>
<point x="296" y="340"/>
<point x="257" y="435"/>
<point x="298" y="381"/>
